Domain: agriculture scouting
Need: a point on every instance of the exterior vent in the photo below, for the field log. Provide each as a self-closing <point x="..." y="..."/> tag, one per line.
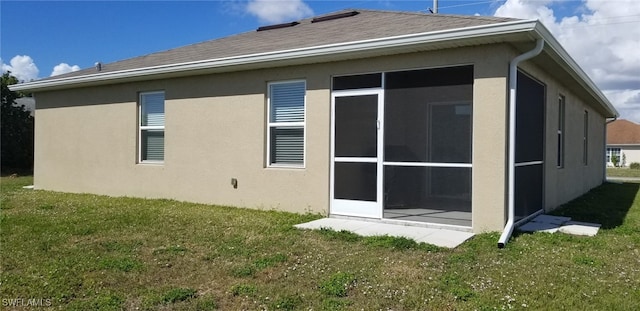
<point x="277" y="26"/>
<point x="334" y="16"/>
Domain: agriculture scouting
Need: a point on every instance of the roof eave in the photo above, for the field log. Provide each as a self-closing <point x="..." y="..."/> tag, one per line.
<point x="274" y="58"/>
<point x="531" y="29"/>
<point x="556" y="51"/>
<point x="623" y="145"/>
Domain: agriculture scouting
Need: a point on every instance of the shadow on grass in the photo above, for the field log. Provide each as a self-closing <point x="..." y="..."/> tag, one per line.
<point x="608" y="205"/>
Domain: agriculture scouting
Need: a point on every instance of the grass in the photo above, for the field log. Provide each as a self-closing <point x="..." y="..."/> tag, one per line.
<point x="622" y="172"/>
<point x="89" y="252"/>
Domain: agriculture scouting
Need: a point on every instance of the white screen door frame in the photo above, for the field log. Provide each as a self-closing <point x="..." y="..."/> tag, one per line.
<point x="349" y="166"/>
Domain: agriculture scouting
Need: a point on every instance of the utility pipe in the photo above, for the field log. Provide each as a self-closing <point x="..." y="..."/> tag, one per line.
<point x="513" y="91"/>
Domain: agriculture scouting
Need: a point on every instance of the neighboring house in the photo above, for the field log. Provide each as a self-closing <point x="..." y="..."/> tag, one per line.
<point x="623" y="142"/>
<point x="386" y="115"/>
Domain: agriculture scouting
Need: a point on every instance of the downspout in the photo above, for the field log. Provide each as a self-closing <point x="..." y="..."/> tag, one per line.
<point x="513" y="90"/>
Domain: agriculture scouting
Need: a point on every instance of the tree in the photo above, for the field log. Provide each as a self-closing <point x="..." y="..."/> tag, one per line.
<point x="16" y="130"/>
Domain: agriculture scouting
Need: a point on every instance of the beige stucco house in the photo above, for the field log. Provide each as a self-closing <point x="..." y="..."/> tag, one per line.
<point x="623" y="143"/>
<point x="465" y="122"/>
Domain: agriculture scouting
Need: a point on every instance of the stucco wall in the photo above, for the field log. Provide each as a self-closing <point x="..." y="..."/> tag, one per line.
<point x="216" y="130"/>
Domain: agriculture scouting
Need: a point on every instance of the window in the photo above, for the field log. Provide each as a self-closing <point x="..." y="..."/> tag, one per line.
<point x="151" y="129"/>
<point x="585" y="139"/>
<point x="560" y="156"/>
<point x="286" y="123"/>
<point x="613" y="156"/>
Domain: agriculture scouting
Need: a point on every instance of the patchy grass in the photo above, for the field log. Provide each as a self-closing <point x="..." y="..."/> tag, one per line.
<point x="89" y="252"/>
<point x="338" y="284"/>
<point x="622" y="172"/>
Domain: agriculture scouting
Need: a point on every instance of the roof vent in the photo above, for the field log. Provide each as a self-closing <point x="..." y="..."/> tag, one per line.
<point x="98" y="66"/>
<point x="277" y="26"/>
<point x="334" y="16"/>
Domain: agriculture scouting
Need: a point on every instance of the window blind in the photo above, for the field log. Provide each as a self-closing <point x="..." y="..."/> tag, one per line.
<point x="153" y="145"/>
<point x="152" y="109"/>
<point x="287" y="102"/>
<point x="287" y="145"/>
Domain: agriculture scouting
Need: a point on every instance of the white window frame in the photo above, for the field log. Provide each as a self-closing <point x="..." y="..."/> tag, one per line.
<point x="561" y="123"/>
<point x="142" y="128"/>
<point x="585" y="139"/>
<point x="270" y="125"/>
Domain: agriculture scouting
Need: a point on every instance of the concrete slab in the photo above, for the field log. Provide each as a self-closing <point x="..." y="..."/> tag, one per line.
<point x="580" y="228"/>
<point x="539" y="226"/>
<point x="439" y="237"/>
<point x="550" y="219"/>
<point x="447" y="238"/>
<point x="333" y="224"/>
<point x="552" y="224"/>
<point x="393" y="230"/>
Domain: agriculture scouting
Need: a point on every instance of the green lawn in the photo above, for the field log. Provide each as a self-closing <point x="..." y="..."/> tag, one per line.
<point x="88" y="252"/>
<point x="622" y="172"/>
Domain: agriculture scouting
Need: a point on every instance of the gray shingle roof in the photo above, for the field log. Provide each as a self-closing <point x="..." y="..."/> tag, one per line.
<point x="368" y="24"/>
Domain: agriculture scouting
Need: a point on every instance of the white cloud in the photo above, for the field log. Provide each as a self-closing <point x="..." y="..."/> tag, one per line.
<point x="603" y="37"/>
<point x="278" y="11"/>
<point x="627" y="102"/>
<point x="64" y="68"/>
<point x="22" y="67"/>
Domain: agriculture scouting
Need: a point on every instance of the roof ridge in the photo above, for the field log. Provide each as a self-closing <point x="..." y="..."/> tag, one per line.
<point x="485" y="17"/>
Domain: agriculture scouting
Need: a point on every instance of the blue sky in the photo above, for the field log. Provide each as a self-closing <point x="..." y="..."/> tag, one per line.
<point x="602" y="35"/>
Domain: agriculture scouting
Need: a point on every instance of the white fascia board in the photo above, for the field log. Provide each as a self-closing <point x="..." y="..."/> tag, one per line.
<point x="309" y="52"/>
<point x="623" y="145"/>
<point x="574" y="69"/>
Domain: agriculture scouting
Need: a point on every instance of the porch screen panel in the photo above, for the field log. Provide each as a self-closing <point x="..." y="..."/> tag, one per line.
<point x="355" y="126"/>
<point x="528" y="190"/>
<point x="355" y="82"/>
<point x="529" y="179"/>
<point x="355" y="181"/>
<point x="428" y="115"/>
<point x="427" y="145"/>
<point x="427" y="187"/>
<point x="529" y="119"/>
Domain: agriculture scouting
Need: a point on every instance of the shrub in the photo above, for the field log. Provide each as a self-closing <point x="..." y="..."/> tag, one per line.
<point x="634" y="166"/>
<point x="615" y="159"/>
